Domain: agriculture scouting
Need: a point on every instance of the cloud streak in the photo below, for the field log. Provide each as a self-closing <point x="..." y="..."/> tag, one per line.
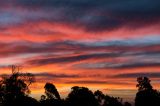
<point x="135" y="75"/>
<point x="49" y="75"/>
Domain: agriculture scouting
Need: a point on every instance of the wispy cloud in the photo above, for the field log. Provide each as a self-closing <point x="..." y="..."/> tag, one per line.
<point x="136" y="75"/>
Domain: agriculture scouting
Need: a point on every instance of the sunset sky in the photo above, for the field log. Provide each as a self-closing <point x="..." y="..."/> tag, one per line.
<point x="100" y="44"/>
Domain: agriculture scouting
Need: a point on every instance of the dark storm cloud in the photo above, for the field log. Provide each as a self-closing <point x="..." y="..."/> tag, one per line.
<point x="94" y="15"/>
<point x="135" y="75"/>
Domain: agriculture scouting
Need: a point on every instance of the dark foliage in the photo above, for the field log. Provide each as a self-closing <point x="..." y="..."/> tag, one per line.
<point x="127" y="104"/>
<point x="106" y="100"/>
<point x="24" y="101"/>
<point x="100" y="97"/>
<point x="81" y="96"/>
<point x="146" y="95"/>
<point x="144" y="84"/>
<point x="14" y="89"/>
<point x="52" y="97"/>
<point x="51" y="91"/>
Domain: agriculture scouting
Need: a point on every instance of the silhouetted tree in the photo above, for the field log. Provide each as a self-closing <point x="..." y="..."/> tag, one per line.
<point x="146" y="95"/>
<point x="14" y="86"/>
<point x="144" y="84"/>
<point x="53" y="97"/>
<point x="81" y="96"/>
<point x="100" y="97"/>
<point x="51" y="91"/>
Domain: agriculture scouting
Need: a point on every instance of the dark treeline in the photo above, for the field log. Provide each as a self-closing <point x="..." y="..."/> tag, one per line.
<point x="14" y="91"/>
